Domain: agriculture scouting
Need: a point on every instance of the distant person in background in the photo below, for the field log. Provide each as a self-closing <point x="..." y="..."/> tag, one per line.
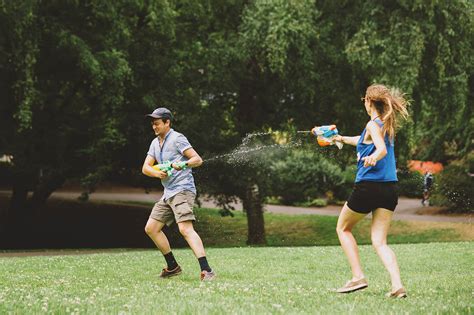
<point x="375" y="189"/>
<point x="427" y="185"/>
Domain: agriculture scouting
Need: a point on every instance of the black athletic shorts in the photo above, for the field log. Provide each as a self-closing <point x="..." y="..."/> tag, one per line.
<point x="368" y="196"/>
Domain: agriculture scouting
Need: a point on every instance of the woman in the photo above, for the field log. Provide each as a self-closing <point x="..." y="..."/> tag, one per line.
<point x="375" y="186"/>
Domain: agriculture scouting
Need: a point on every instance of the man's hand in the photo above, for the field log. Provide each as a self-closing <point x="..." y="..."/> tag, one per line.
<point x="161" y="174"/>
<point x="369" y="161"/>
<point x="179" y="165"/>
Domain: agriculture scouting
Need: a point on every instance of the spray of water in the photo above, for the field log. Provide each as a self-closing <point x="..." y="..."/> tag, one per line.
<point x="250" y="148"/>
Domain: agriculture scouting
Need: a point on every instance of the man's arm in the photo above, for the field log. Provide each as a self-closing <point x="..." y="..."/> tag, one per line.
<point x="148" y="169"/>
<point x="194" y="160"/>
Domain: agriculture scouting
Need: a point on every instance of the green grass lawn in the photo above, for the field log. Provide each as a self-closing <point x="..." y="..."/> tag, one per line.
<point x="311" y="230"/>
<point x="258" y="280"/>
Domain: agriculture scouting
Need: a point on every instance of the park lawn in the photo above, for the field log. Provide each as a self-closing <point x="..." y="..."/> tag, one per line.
<point x="251" y="280"/>
<point x="310" y="230"/>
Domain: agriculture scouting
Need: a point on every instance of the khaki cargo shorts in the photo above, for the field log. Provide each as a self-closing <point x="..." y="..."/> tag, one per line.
<point x="179" y="208"/>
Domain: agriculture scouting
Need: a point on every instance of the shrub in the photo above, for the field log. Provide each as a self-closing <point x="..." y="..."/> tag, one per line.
<point x="304" y="175"/>
<point x="456" y="185"/>
<point x="272" y="200"/>
<point x="410" y="184"/>
<point x="342" y="191"/>
<point x="318" y="202"/>
<point x="437" y="199"/>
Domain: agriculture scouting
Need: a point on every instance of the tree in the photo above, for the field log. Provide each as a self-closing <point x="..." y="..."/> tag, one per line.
<point x="67" y="86"/>
<point x="424" y="48"/>
<point x="77" y="78"/>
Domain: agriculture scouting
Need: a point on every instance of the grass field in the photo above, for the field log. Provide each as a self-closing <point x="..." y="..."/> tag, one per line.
<point x="310" y="230"/>
<point x="259" y="280"/>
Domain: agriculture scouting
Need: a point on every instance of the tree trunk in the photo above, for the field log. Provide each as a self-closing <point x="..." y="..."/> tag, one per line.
<point x="46" y="186"/>
<point x="18" y="199"/>
<point x="248" y="117"/>
<point x="254" y="207"/>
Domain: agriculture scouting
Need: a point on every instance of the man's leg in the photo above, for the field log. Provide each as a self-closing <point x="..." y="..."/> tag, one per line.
<point x="160" y="214"/>
<point x="182" y="205"/>
<point x="153" y="229"/>
<point x="187" y="230"/>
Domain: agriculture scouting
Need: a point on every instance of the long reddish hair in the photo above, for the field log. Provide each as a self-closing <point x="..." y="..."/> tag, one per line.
<point x="390" y="104"/>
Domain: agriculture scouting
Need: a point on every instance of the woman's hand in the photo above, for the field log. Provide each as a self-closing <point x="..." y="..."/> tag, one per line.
<point x="369" y="160"/>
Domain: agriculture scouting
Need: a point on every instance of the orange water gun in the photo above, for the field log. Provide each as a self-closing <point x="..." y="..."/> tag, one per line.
<point x="326" y="135"/>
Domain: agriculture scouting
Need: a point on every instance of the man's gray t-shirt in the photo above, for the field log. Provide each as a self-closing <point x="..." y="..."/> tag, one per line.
<point x="172" y="150"/>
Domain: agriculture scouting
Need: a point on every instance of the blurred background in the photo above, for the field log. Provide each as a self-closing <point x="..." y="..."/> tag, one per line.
<point x="242" y="78"/>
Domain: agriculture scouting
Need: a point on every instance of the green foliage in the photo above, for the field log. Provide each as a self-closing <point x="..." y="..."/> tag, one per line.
<point x="273" y="30"/>
<point x="343" y="191"/>
<point x="72" y="84"/>
<point x="423" y="48"/>
<point x="388" y="50"/>
<point x="317" y="202"/>
<point x="455" y="184"/>
<point x="304" y="175"/>
<point x="410" y="184"/>
<point x="20" y="50"/>
<point x="77" y="77"/>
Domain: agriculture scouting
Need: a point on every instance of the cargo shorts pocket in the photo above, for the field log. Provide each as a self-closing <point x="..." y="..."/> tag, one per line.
<point x="183" y="207"/>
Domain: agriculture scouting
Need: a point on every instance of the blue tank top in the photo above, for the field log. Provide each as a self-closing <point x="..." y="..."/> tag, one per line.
<point x="384" y="170"/>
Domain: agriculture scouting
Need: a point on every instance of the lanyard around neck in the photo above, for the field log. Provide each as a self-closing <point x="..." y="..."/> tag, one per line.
<point x="163" y="146"/>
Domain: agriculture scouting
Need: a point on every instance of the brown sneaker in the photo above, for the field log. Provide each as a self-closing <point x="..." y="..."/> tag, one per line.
<point x="352" y="286"/>
<point x="399" y="294"/>
<point x="207" y="275"/>
<point x="165" y="273"/>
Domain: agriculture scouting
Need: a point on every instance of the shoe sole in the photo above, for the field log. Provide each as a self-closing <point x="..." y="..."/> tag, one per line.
<point x="211" y="278"/>
<point x="353" y="289"/>
<point x="208" y="279"/>
<point x="171" y="275"/>
<point x="398" y="296"/>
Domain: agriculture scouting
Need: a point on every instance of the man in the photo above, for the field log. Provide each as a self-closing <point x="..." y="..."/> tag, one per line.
<point x="427" y="184"/>
<point x="179" y="194"/>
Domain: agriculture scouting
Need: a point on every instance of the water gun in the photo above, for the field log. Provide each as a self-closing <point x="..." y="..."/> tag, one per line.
<point x="326" y="135"/>
<point x="167" y="168"/>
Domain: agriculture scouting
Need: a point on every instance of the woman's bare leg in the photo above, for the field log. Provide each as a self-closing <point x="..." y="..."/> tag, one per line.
<point x="347" y="220"/>
<point x="381" y="219"/>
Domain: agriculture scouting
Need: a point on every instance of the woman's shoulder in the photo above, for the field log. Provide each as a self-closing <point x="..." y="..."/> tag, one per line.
<point x="372" y="124"/>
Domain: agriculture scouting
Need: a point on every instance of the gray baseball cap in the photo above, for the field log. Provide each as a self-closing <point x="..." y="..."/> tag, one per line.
<point x="161" y="112"/>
